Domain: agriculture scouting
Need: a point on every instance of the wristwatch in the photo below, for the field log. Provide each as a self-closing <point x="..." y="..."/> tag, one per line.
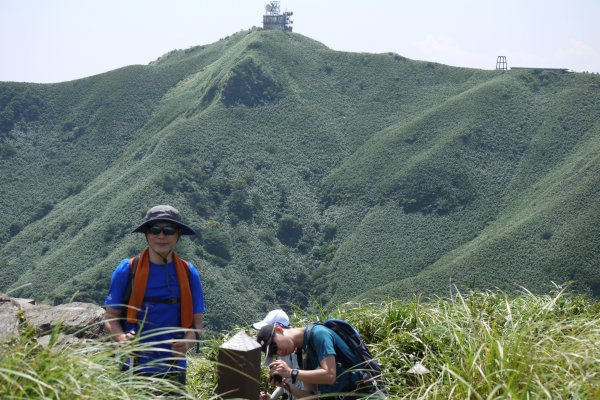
<point x="294" y="375"/>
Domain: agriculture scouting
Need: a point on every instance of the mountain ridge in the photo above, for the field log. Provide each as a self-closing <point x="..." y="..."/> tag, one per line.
<point x="313" y="176"/>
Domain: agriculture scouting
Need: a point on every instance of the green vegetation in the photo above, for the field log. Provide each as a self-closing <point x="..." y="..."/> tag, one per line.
<point x="479" y="345"/>
<point x="290" y="230"/>
<point x="31" y="370"/>
<point x="248" y="84"/>
<point x="311" y="175"/>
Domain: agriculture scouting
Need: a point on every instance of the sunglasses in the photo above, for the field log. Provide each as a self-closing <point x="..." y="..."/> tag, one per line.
<point x="167" y="230"/>
<point x="273" y="349"/>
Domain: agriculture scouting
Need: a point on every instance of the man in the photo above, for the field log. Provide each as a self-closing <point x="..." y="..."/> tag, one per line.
<point x="322" y="374"/>
<point x="279" y="317"/>
<point x="166" y="303"/>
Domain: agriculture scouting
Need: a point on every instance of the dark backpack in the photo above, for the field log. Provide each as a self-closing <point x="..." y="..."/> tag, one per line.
<point x="369" y="366"/>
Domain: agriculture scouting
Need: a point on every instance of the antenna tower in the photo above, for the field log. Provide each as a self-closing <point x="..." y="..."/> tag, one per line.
<point x="272" y="8"/>
<point x="273" y="19"/>
<point x="501" y="64"/>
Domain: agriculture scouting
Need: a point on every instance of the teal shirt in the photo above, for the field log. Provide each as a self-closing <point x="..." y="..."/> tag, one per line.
<point x="325" y="342"/>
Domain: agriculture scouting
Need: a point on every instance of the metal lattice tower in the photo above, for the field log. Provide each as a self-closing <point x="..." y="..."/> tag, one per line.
<point x="501" y="64"/>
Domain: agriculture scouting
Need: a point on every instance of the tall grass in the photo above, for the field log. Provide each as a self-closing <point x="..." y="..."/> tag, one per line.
<point x="485" y="345"/>
<point x="476" y="345"/>
<point x="73" y="370"/>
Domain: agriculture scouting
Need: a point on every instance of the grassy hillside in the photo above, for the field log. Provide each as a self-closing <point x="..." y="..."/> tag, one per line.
<point x="497" y="197"/>
<point x="313" y="176"/>
<point x="480" y="345"/>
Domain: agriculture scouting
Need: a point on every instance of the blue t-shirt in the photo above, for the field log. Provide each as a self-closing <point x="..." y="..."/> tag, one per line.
<point x="325" y="342"/>
<point x="156" y="321"/>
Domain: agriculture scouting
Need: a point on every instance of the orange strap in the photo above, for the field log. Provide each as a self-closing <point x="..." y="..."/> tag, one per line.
<point x="140" y="281"/>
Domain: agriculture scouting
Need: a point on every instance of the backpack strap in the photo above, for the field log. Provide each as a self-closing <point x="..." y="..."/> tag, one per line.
<point x="309" y="334"/>
<point x="133" y="262"/>
<point x="309" y="344"/>
<point x="370" y="382"/>
<point x="340" y="356"/>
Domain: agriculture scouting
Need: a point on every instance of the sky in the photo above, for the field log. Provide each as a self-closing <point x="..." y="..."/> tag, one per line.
<point x="47" y="41"/>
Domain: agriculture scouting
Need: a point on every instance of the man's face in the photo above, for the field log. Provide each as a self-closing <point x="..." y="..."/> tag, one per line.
<point x="281" y="344"/>
<point x="162" y="237"/>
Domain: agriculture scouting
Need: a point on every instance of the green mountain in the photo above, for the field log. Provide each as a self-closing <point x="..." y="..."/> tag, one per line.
<point x="314" y="176"/>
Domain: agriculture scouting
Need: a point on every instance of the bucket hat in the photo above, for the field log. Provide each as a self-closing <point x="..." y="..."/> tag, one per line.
<point x="164" y="213"/>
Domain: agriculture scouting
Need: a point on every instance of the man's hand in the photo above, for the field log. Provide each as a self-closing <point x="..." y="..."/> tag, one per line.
<point x="125" y="337"/>
<point x="181" y="346"/>
<point x="279" y="367"/>
<point x="264" y="396"/>
<point x="113" y="326"/>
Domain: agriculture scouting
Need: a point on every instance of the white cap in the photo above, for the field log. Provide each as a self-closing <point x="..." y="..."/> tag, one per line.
<point x="274" y="317"/>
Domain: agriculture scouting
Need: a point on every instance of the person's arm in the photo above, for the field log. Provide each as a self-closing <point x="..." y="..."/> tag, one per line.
<point x="325" y="374"/>
<point x="198" y="301"/>
<point x="113" y="325"/>
<point x="191" y="336"/>
<point x="198" y="318"/>
<point x="112" y="316"/>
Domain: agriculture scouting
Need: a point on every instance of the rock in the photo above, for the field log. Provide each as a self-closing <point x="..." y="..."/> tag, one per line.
<point x="82" y="320"/>
<point x="77" y="320"/>
<point x="9" y="323"/>
<point x="416" y="375"/>
<point x="23" y="303"/>
<point x="61" y="340"/>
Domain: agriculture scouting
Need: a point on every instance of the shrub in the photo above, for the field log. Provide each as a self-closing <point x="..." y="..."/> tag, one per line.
<point x="434" y="191"/>
<point x="239" y="203"/>
<point x="7" y="151"/>
<point x="6" y="121"/>
<point x="217" y="243"/>
<point x="249" y="85"/>
<point x="290" y="230"/>
<point x="166" y="181"/>
<point x="201" y="203"/>
<point x="327" y="251"/>
<point x="43" y="210"/>
<point x="15" y="228"/>
<point x="266" y="236"/>
<point x="329" y="231"/>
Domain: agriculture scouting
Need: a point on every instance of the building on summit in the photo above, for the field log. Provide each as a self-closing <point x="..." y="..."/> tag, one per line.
<point x="274" y="20"/>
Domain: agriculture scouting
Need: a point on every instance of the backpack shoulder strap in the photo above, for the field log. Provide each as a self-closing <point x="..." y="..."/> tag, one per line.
<point x="334" y="325"/>
<point x="309" y="334"/>
<point x="133" y="263"/>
